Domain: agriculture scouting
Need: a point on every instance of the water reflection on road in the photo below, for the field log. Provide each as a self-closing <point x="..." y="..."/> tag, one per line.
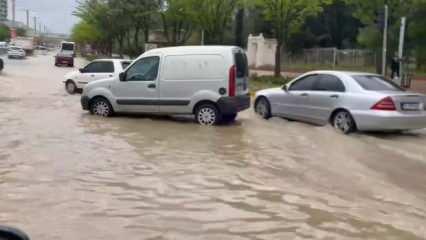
<point x="67" y="175"/>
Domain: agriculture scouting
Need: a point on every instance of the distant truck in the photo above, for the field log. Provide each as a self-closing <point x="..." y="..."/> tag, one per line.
<point x="66" y="54"/>
<point x="68" y="48"/>
<point x="26" y="43"/>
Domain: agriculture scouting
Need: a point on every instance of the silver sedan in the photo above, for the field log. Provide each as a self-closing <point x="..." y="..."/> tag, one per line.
<point x="350" y="101"/>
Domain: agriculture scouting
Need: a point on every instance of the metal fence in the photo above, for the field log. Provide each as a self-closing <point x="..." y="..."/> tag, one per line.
<point x="331" y="57"/>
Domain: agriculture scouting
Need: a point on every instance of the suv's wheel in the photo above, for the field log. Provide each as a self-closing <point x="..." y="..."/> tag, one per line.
<point x="263" y="108"/>
<point x="207" y="115"/>
<point x="101" y="107"/>
<point x="344" y="122"/>
<point x="70" y="87"/>
<point x="229" y="118"/>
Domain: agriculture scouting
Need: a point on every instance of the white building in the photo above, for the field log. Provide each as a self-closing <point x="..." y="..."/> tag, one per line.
<point x="3" y="10"/>
<point x="261" y="51"/>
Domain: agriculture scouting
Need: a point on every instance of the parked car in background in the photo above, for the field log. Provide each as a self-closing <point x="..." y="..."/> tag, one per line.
<point x="16" y="52"/>
<point x="66" y="54"/>
<point x="1" y="64"/>
<point x="26" y="43"/>
<point x="210" y="82"/>
<point x="98" y="69"/>
<point x="348" y="100"/>
<point x="64" y="58"/>
<point x="3" y="48"/>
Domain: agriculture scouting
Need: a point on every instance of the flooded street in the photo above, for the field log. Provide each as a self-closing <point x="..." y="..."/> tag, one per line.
<point x="65" y="174"/>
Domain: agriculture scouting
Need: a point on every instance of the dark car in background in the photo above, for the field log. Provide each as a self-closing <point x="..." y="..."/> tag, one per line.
<point x="64" y="58"/>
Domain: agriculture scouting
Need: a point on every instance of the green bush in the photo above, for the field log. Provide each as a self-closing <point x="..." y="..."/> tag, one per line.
<point x="4" y="33"/>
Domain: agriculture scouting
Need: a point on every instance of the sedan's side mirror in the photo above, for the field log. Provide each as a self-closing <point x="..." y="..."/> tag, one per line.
<point x="81" y="70"/>
<point x="122" y="76"/>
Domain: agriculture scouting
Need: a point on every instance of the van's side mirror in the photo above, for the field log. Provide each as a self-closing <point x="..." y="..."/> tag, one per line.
<point x="285" y="88"/>
<point x="122" y="76"/>
<point x="81" y="70"/>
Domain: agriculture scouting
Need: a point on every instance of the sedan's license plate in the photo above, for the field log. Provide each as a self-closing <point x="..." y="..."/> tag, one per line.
<point x="410" y="106"/>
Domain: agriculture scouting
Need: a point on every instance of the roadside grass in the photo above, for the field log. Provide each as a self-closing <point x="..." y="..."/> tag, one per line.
<point x="261" y="82"/>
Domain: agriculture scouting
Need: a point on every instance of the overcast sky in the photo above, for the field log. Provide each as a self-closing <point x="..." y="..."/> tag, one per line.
<point x="55" y="14"/>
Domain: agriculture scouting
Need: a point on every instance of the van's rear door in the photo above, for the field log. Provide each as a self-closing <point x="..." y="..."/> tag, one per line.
<point x="242" y="73"/>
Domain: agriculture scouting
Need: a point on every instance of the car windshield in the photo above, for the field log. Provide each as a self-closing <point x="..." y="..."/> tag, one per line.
<point x="376" y="83"/>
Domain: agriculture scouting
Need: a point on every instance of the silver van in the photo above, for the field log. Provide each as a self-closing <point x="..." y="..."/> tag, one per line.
<point x="210" y="82"/>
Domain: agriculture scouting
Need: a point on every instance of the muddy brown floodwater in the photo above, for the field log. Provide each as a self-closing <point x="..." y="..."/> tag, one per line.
<point x="65" y="174"/>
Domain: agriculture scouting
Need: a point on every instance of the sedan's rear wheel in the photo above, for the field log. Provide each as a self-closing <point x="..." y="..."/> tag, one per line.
<point x="263" y="108"/>
<point x="101" y="107"/>
<point x="344" y="122"/>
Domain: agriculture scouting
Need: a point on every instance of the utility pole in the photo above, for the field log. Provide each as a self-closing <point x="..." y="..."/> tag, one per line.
<point x="385" y="40"/>
<point x="35" y="24"/>
<point x="27" y="11"/>
<point x="13" y="12"/>
<point x="401" y="48"/>
<point x="202" y="37"/>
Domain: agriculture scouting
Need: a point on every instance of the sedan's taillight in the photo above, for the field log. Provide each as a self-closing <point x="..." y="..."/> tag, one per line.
<point x="232" y="81"/>
<point x="386" y="104"/>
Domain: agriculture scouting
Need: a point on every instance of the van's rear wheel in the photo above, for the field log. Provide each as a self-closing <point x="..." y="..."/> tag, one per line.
<point x="207" y="115"/>
<point x="101" y="107"/>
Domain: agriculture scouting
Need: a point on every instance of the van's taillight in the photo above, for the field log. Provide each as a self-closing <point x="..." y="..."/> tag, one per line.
<point x="232" y="81"/>
<point x="386" y="104"/>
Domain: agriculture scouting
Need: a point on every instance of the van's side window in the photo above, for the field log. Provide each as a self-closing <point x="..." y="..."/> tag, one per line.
<point x="146" y="69"/>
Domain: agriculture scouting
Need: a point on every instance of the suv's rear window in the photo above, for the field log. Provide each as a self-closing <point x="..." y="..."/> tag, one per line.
<point x="67" y="46"/>
<point x="376" y="83"/>
<point x="242" y="65"/>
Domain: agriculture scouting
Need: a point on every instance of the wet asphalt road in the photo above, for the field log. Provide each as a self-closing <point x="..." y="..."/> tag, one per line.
<point x="67" y="175"/>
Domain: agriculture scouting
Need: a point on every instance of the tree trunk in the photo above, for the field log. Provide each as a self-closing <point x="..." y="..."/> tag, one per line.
<point x="239" y="27"/>
<point x="120" y="45"/>
<point x="277" y="71"/>
<point x="136" y="38"/>
<point x="146" y="35"/>
<point x="129" y="43"/>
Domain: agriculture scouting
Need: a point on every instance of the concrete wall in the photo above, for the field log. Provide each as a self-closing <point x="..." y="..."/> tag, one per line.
<point x="261" y="51"/>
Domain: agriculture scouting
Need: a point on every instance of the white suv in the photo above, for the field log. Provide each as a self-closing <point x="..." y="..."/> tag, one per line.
<point x="208" y="81"/>
<point x="98" y="69"/>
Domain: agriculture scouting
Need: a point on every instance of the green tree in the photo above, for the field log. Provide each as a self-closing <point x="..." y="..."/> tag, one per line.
<point x="4" y="33"/>
<point x="177" y="20"/>
<point x="371" y="36"/>
<point x="417" y="32"/>
<point x="21" y="32"/>
<point x="214" y="17"/>
<point x="141" y="13"/>
<point x="85" y="33"/>
<point x="286" y="17"/>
